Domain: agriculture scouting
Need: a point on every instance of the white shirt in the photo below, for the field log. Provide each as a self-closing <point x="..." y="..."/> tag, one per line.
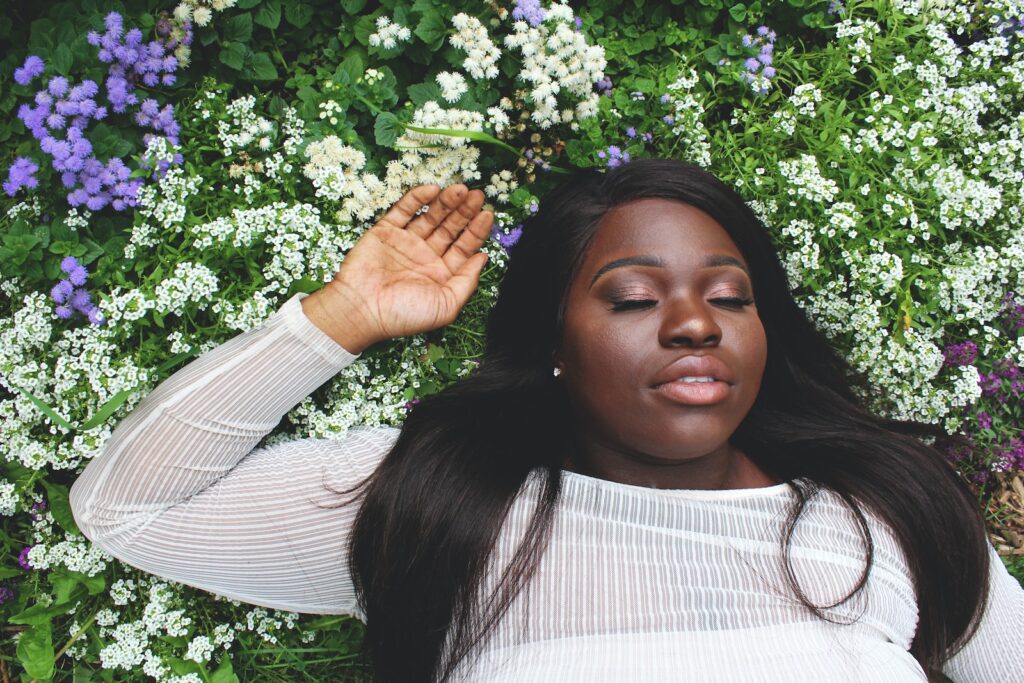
<point x="637" y="584"/>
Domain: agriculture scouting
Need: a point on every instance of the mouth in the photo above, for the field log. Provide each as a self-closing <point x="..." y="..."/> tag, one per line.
<point x="694" y="391"/>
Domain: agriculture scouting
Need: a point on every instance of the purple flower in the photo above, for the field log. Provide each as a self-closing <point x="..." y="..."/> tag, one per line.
<point x="21" y="174"/>
<point x="578" y="22"/>
<point x="752" y="64"/>
<point x="23" y="558"/>
<point x="69" y="263"/>
<point x="669" y="120"/>
<point x="61" y="291"/>
<point x="984" y="420"/>
<point x="765" y="58"/>
<point x="768" y="72"/>
<point x="835" y="6"/>
<point x="958" y="355"/>
<point x="57" y="86"/>
<point x="31" y="69"/>
<point x="748" y="40"/>
<point x="530" y="11"/>
<point x="507" y="240"/>
<point x="631" y="132"/>
<point x="6" y="594"/>
<point x="665" y="98"/>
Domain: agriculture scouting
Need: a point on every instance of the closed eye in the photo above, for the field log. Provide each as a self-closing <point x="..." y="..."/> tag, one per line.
<point x="636" y="304"/>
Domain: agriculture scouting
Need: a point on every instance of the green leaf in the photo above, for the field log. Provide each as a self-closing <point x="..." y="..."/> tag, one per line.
<point x="62" y="59"/>
<point x="60" y="508"/>
<point x="106" y="410"/>
<point x="738" y="12"/>
<point x="424" y="92"/>
<point x="233" y="55"/>
<point x="353" y="67"/>
<point x="35" y="651"/>
<point x="8" y="572"/>
<point x="46" y="410"/>
<point x="246" y="4"/>
<point x="224" y="673"/>
<point x="353" y="6"/>
<point x="238" y="28"/>
<point x="269" y="14"/>
<point x="432" y="29"/>
<point x="262" y="68"/>
<point x="40" y="614"/>
<point x="298" y="14"/>
<point x="386" y="129"/>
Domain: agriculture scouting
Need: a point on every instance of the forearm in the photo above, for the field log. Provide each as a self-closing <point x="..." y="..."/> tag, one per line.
<point x="201" y="421"/>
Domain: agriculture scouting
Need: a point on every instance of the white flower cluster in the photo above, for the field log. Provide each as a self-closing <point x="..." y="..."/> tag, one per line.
<point x="122" y="592"/>
<point x="74" y="552"/>
<point x="389" y="34"/>
<point x="129" y="643"/>
<point x="332" y="166"/>
<point x="9" y="498"/>
<point x="301" y="245"/>
<point x="501" y="186"/>
<point x="863" y="32"/>
<point x="556" y="59"/>
<point x="806" y="179"/>
<point x="367" y="392"/>
<point x="688" y="112"/>
<point x="453" y="85"/>
<point x="364" y="195"/>
<point x="964" y="201"/>
<point x="191" y="282"/>
<point x="245" y="126"/>
<point x="805" y="98"/>
<point x="481" y="53"/>
<point x="200" y="649"/>
<point x="200" y="11"/>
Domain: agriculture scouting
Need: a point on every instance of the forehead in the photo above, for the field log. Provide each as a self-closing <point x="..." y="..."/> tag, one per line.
<point x="668" y="228"/>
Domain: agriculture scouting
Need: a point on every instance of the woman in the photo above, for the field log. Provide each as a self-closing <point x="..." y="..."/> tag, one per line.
<point x="657" y="473"/>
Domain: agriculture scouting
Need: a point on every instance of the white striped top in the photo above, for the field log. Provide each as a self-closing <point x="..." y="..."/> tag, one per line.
<point x="637" y="584"/>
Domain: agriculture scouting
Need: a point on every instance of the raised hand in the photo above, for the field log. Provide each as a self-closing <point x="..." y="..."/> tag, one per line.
<point x="407" y="274"/>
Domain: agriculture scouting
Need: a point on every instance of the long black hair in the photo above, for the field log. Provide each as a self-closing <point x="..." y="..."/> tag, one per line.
<point x="434" y="507"/>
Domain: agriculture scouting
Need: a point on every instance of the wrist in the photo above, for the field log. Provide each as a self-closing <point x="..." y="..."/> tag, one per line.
<point x="334" y="312"/>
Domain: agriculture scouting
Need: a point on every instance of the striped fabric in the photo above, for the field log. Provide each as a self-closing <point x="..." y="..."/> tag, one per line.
<point x="638" y="584"/>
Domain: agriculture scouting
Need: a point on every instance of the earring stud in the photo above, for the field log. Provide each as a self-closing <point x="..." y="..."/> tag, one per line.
<point x="557" y="372"/>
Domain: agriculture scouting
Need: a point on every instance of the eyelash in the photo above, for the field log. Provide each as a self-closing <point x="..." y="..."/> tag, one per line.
<point x="636" y="304"/>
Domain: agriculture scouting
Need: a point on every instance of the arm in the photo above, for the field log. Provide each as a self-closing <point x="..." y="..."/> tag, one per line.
<point x="179" y="491"/>
<point x="996" y="652"/>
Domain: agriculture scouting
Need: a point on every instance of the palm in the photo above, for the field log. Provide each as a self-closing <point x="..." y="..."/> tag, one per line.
<point x="415" y="273"/>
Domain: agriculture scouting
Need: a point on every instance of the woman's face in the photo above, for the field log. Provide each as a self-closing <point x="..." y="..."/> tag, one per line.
<point x="660" y="295"/>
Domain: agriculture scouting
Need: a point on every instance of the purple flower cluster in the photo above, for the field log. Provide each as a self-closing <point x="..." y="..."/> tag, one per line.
<point x="835" y="7"/>
<point x="537" y="161"/>
<point x="604" y="86"/>
<point x="62" y="112"/>
<point x="530" y="11"/>
<point x="1012" y="313"/>
<point x="23" y="558"/>
<point x="131" y="61"/>
<point x="71" y="299"/>
<point x="614" y="156"/>
<point x="631" y="133"/>
<point x="31" y="69"/>
<point x="508" y="239"/>
<point x="957" y="355"/>
<point x="21" y="174"/>
<point x="761" y="65"/>
<point x="1005" y="383"/>
<point x="6" y="594"/>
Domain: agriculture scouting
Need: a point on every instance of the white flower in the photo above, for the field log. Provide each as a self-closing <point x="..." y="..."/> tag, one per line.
<point x="202" y="16"/>
<point x="481" y="53"/>
<point x="453" y="85"/>
<point x="389" y="34"/>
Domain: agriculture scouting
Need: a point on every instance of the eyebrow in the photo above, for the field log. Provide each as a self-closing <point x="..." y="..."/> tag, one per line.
<point x="713" y="261"/>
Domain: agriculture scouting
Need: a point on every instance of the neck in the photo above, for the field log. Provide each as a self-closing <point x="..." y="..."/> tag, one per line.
<point x="724" y="468"/>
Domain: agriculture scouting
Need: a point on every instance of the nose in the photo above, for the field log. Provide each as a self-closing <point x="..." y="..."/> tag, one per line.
<point x="689" y="321"/>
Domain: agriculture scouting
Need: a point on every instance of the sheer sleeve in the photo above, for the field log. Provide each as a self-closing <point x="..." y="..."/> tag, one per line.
<point x="996" y="652"/>
<point x="179" y="491"/>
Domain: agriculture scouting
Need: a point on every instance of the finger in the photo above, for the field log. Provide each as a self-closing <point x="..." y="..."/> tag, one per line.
<point x="465" y="281"/>
<point x="446" y="202"/>
<point x="470" y="241"/>
<point x="412" y="201"/>
<point x="452" y="226"/>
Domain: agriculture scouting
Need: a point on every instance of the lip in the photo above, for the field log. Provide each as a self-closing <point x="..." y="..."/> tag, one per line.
<point x="695" y="366"/>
